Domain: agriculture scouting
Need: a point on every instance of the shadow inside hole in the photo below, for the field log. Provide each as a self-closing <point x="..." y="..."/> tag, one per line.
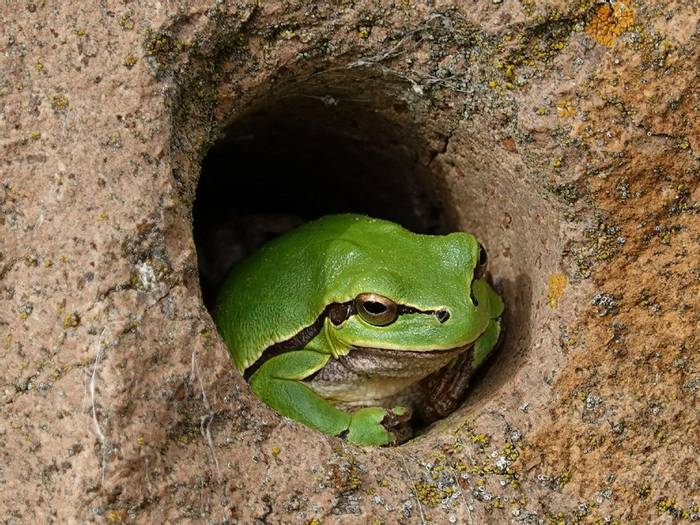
<point x="516" y="339"/>
<point x="298" y="160"/>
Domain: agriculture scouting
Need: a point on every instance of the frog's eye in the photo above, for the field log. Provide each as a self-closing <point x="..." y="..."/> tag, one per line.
<point x="480" y="269"/>
<point x="376" y="309"/>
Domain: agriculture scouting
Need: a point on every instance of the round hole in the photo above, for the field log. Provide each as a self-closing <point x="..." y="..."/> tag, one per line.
<point x="313" y="150"/>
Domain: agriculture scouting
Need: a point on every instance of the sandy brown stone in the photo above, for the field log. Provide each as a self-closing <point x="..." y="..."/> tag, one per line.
<point x="564" y="134"/>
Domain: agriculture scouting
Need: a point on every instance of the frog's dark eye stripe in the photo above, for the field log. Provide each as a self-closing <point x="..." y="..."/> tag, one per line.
<point x="442" y="315"/>
<point x="338" y="313"/>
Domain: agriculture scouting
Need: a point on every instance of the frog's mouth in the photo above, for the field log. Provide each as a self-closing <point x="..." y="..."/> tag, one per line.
<point x="381" y="362"/>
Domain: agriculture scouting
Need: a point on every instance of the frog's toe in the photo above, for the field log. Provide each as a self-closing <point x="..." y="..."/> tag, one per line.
<point x="397" y="416"/>
<point x="366" y="427"/>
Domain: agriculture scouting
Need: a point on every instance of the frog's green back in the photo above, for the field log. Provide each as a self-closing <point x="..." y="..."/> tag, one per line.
<point x="282" y="288"/>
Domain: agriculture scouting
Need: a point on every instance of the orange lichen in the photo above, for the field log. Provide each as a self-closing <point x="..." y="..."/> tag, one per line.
<point x="116" y="516"/>
<point x="555" y="289"/>
<point x="610" y="21"/>
<point x="566" y="108"/>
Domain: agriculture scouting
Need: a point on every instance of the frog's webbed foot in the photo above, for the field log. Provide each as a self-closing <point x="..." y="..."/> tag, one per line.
<point x="366" y="427"/>
<point x="398" y="422"/>
<point x="379" y="426"/>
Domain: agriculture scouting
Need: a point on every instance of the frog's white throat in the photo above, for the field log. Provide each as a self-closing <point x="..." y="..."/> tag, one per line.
<point x="371" y="376"/>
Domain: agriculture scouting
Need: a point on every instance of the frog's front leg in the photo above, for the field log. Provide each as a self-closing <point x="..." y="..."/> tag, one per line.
<point x="486" y="343"/>
<point x="278" y="382"/>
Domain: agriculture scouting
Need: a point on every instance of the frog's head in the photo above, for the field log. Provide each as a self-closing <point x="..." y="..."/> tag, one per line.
<point x="409" y="292"/>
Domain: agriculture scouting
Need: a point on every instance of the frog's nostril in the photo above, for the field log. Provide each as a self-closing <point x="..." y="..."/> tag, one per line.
<point x="483" y="256"/>
<point x="480" y="269"/>
<point x="442" y="315"/>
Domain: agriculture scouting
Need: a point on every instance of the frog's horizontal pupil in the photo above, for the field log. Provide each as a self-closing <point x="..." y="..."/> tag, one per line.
<point x="374" y="307"/>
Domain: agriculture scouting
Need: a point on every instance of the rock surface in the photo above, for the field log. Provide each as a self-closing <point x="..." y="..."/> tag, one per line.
<point x="565" y="134"/>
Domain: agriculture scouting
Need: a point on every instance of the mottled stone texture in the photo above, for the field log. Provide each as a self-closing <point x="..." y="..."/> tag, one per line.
<point x="564" y="133"/>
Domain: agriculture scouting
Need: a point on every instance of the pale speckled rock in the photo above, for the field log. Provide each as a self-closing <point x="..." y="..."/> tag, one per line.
<point x="562" y="133"/>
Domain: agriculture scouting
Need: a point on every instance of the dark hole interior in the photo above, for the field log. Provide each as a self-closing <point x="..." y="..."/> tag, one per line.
<point x="302" y="157"/>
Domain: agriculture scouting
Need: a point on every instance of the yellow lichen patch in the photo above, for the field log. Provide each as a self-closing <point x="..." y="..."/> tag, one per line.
<point x="566" y="108"/>
<point x="428" y="493"/>
<point x="126" y="21"/>
<point x="130" y="60"/>
<point x="287" y="34"/>
<point x="555" y="289"/>
<point x="116" y="516"/>
<point x="610" y="21"/>
<point x="72" y="320"/>
<point x="59" y="102"/>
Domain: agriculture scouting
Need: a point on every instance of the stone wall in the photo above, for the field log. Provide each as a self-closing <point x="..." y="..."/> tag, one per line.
<point x="564" y="134"/>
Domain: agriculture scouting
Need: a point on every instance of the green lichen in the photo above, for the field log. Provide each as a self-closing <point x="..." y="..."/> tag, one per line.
<point x="429" y="494"/>
<point x="130" y="60"/>
<point x="162" y="48"/>
<point x="59" y="102"/>
<point x="126" y="21"/>
<point x="72" y="320"/>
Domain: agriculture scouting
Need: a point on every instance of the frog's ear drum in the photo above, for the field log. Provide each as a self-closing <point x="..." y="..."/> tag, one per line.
<point x="376" y="309"/>
<point x="482" y="263"/>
